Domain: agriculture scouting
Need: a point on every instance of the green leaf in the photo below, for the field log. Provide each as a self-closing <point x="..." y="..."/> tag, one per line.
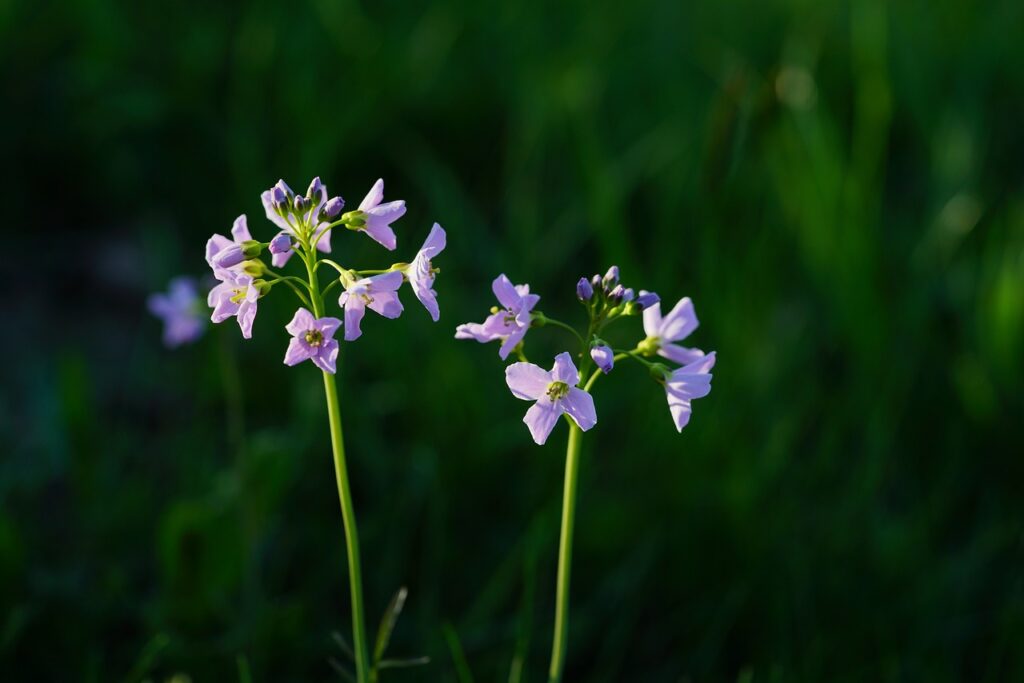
<point x="387" y="622"/>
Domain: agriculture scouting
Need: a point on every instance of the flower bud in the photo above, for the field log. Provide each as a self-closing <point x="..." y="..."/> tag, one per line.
<point x="583" y="289"/>
<point x="660" y="372"/>
<point x="646" y="300"/>
<point x="627" y="295"/>
<point x="254" y="267"/>
<point x="603" y="357"/>
<point x="279" y="199"/>
<point x="300" y="204"/>
<point x="611" y="278"/>
<point x="280" y="244"/>
<point x="262" y="286"/>
<point x="615" y="296"/>
<point x="231" y="256"/>
<point x="354" y="220"/>
<point x="332" y="208"/>
<point x="595" y="282"/>
<point x="251" y="248"/>
<point x="315" y="188"/>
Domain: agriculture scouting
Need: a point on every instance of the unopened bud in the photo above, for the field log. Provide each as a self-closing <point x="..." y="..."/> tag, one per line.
<point x="332" y="208"/>
<point x="231" y="256"/>
<point x="615" y="296"/>
<point x="646" y="300"/>
<point x="611" y="278"/>
<point x="254" y="267"/>
<point x="262" y="286"/>
<point x="280" y="244"/>
<point x="603" y="357"/>
<point x="584" y="290"/>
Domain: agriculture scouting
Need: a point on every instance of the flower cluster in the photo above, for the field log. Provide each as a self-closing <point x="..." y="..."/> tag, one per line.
<point x="304" y="226"/>
<point x="564" y="390"/>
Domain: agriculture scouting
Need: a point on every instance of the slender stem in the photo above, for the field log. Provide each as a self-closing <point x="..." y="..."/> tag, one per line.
<point x="561" y="635"/>
<point x="348" y="513"/>
<point x="564" y="326"/>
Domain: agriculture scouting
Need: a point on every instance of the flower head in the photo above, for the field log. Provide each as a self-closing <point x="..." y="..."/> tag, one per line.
<point x="509" y="323"/>
<point x="685" y="384"/>
<point x="295" y="214"/>
<point x="662" y="332"/>
<point x="235" y="296"/>
<point x="378" y="293"/>
<point x="421" y="271"/>
<point x="180" y="311"/>
<point x="555" y="393"/>
<point x="380" y="216"/>
<point x="312" y="339"/>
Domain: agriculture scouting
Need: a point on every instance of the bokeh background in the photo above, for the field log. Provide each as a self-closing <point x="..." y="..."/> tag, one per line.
<point x="839" y="187"/>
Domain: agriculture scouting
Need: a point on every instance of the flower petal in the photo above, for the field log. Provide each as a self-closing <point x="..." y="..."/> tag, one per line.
<point x="382" y="234"/>
<point x="296" y="352"/>
<point x="564" y="370"/>
<point x="386" y="304"/>
<point x="385" y="282"/>
<point x="652" y="320"/>
<point x="374" y="196"/>
<point x="680" y="409"/>
<point x="328" y="326"/>
<point x="240" y="229"/>
<point x="680" y="354"/>
<point x="579" y="405"/>
<point x="435" y="242"/>
<point x="354" y="311"/>
<point x="327" y="357"/>
<point x="272" y="215"/>
<point x="505" y="292"/>
<point x="679" y="322"/>
<point x="301" y="322"/>
<point x="511" y="342"/>
<point x="541" y="419"/>
<point x="527" y="381"/>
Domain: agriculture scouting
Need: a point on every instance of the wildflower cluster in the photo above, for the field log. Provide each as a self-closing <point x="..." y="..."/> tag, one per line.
<point x="305" y="224"/>
<point x="566" y="390"/>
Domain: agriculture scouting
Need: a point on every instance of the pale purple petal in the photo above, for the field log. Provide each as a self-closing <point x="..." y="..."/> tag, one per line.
<point x="326" y="357"/>
<point x="246" y="315"/>
<point x="579" y="405"/>
<point x="382" y="234"/>
<point x="324" y="244"/>
<point x="374" y="196"/>
<point x="435" y="242"/>
<point x="214" y="246"/>
<point x="386" y="303"/>
<point x="511" y="342"/>
<point x="355" y="309"/>
<point x="240" y="230"/>
<point x="564" y="370"/>
<point x="297" y="352"/>
<point x="327" y="326"/>
<point x="301" y="322"/>
<point x="524" y="314"/>
<point x="527" y="381"/>
<point x="680" y="409"/>
<point x="505" y="292"/>
<point x="541" y="419"/>
<point x="679" y="322"/>
<point x="279" y="260"/>
<point x="702" y="365"/>
<point x="427" y="297"/>
<point x="652" y="320"/>
<point x="480" y="332"/>
<point x="272" y="215"/>
<point x="680" y="354"/>
<point x="386" y="282"/>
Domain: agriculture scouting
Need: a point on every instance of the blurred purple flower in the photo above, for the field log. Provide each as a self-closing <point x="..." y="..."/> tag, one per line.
<point x="379" y="217"/>
<point x="685" y="384"/>
<point x="312" y="339"/>
<point x="555" y="393"/>
<point x="379" y="293"/>
<point x="509" y="324"/>
<point x="421" y="271"/>
<point x="180" y="309"/>
<point x="662" y="332"/>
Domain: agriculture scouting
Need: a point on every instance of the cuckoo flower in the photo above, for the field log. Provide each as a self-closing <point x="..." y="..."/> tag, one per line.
<point x="555" y="393"/>
<point x="379" y="293"/>
<point x="235" y="296"/>
<point x="685" y="384"/>
<point x="421" y="271"/>
<point x="379" y="217"/>
<point x="223" y="253"/>
<point x="312" y="339"/>
<point x="179" y="309"/>
<point x="294" y="214"/>
<point x="662" y="332"/>
<point x="509" y="323"/>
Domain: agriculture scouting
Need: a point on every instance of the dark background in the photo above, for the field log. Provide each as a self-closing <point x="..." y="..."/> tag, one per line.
<point x="837" y="185"/>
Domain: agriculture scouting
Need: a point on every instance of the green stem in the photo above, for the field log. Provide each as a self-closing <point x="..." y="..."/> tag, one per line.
<point x="564" y="326"/>
<point x="348" y="514"/>
<point x="561" y="635"/>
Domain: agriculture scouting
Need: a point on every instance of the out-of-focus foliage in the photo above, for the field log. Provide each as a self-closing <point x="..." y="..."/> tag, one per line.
<point x="837" y="185"/>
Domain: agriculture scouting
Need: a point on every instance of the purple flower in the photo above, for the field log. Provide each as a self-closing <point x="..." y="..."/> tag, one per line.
<point x="379" y="217"/>
<point x="180" y="310"/>
<point x="584" y="290"/>
<point x="312" y="339"/>
<point x="235" y="296"/>
<point x="685" y="384"/>
<point x="421" y="271"/>
<point x="555" y="393"/>
<point x="603" y="356"/>
<point x="509" y="324"/>
<point x="220" y="250"/>
<point x="662" y="332"/>
<point x="379" y="293"/>
<point x="646" y="299"/>
<point x="280" y="198"/>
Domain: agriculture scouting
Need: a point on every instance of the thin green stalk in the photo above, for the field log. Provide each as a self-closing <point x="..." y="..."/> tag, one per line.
<point x="561" y="636"/>
<point x="348" y="513"/>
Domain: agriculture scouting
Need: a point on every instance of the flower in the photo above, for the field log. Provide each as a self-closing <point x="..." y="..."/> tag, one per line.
<point x="509" y="324"/>
<point x="312" y="339"/>
<point x="280" y="244"/>
<point x="379" y="293"/>
<point x="685" y="384"/>
<point x="379" y="217"/>
<point x="584" y="290"/>
<point x="235" y="296"/>
<point x="676" y="326"/>
<point x="603" y="356"/>
<point x="555" y="393"/>
<point x="421" y="271"/>
<point x="180" y="311"/>
<point x="280" y="201"/>
<point x="221" y="252"/>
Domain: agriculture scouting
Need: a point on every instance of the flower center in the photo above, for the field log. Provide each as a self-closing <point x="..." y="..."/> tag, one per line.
<point x="314" y="337"/>
<point x="557" y="390"/>
<point x="239" y="295"/>
<point x="649" y="346"/>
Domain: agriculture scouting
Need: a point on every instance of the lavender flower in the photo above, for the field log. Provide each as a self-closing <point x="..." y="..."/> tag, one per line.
<point x="555" y="393"/>
<point x="312" y="339"/>
<point x="603" y="356"/>
<point x="379" y="217"/>
<point x="508" y="324"/>
<point x="584" y="290"/>
<point x="421" y="271"/>
<point x="220" y="251"/>
<point x="236" y="296"/>
<point x="685" y="384"/>
<point x="662" y="332"/>
<point x="179" y="309"/>
<point x="379" y="293"/>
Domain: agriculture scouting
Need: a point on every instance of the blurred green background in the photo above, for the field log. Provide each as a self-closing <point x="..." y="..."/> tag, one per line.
<point x="839" y="187"/>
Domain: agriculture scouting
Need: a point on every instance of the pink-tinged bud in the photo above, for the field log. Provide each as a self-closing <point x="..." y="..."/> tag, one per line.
<point x="603" y="356"/>
<point x="280" y="244"/>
